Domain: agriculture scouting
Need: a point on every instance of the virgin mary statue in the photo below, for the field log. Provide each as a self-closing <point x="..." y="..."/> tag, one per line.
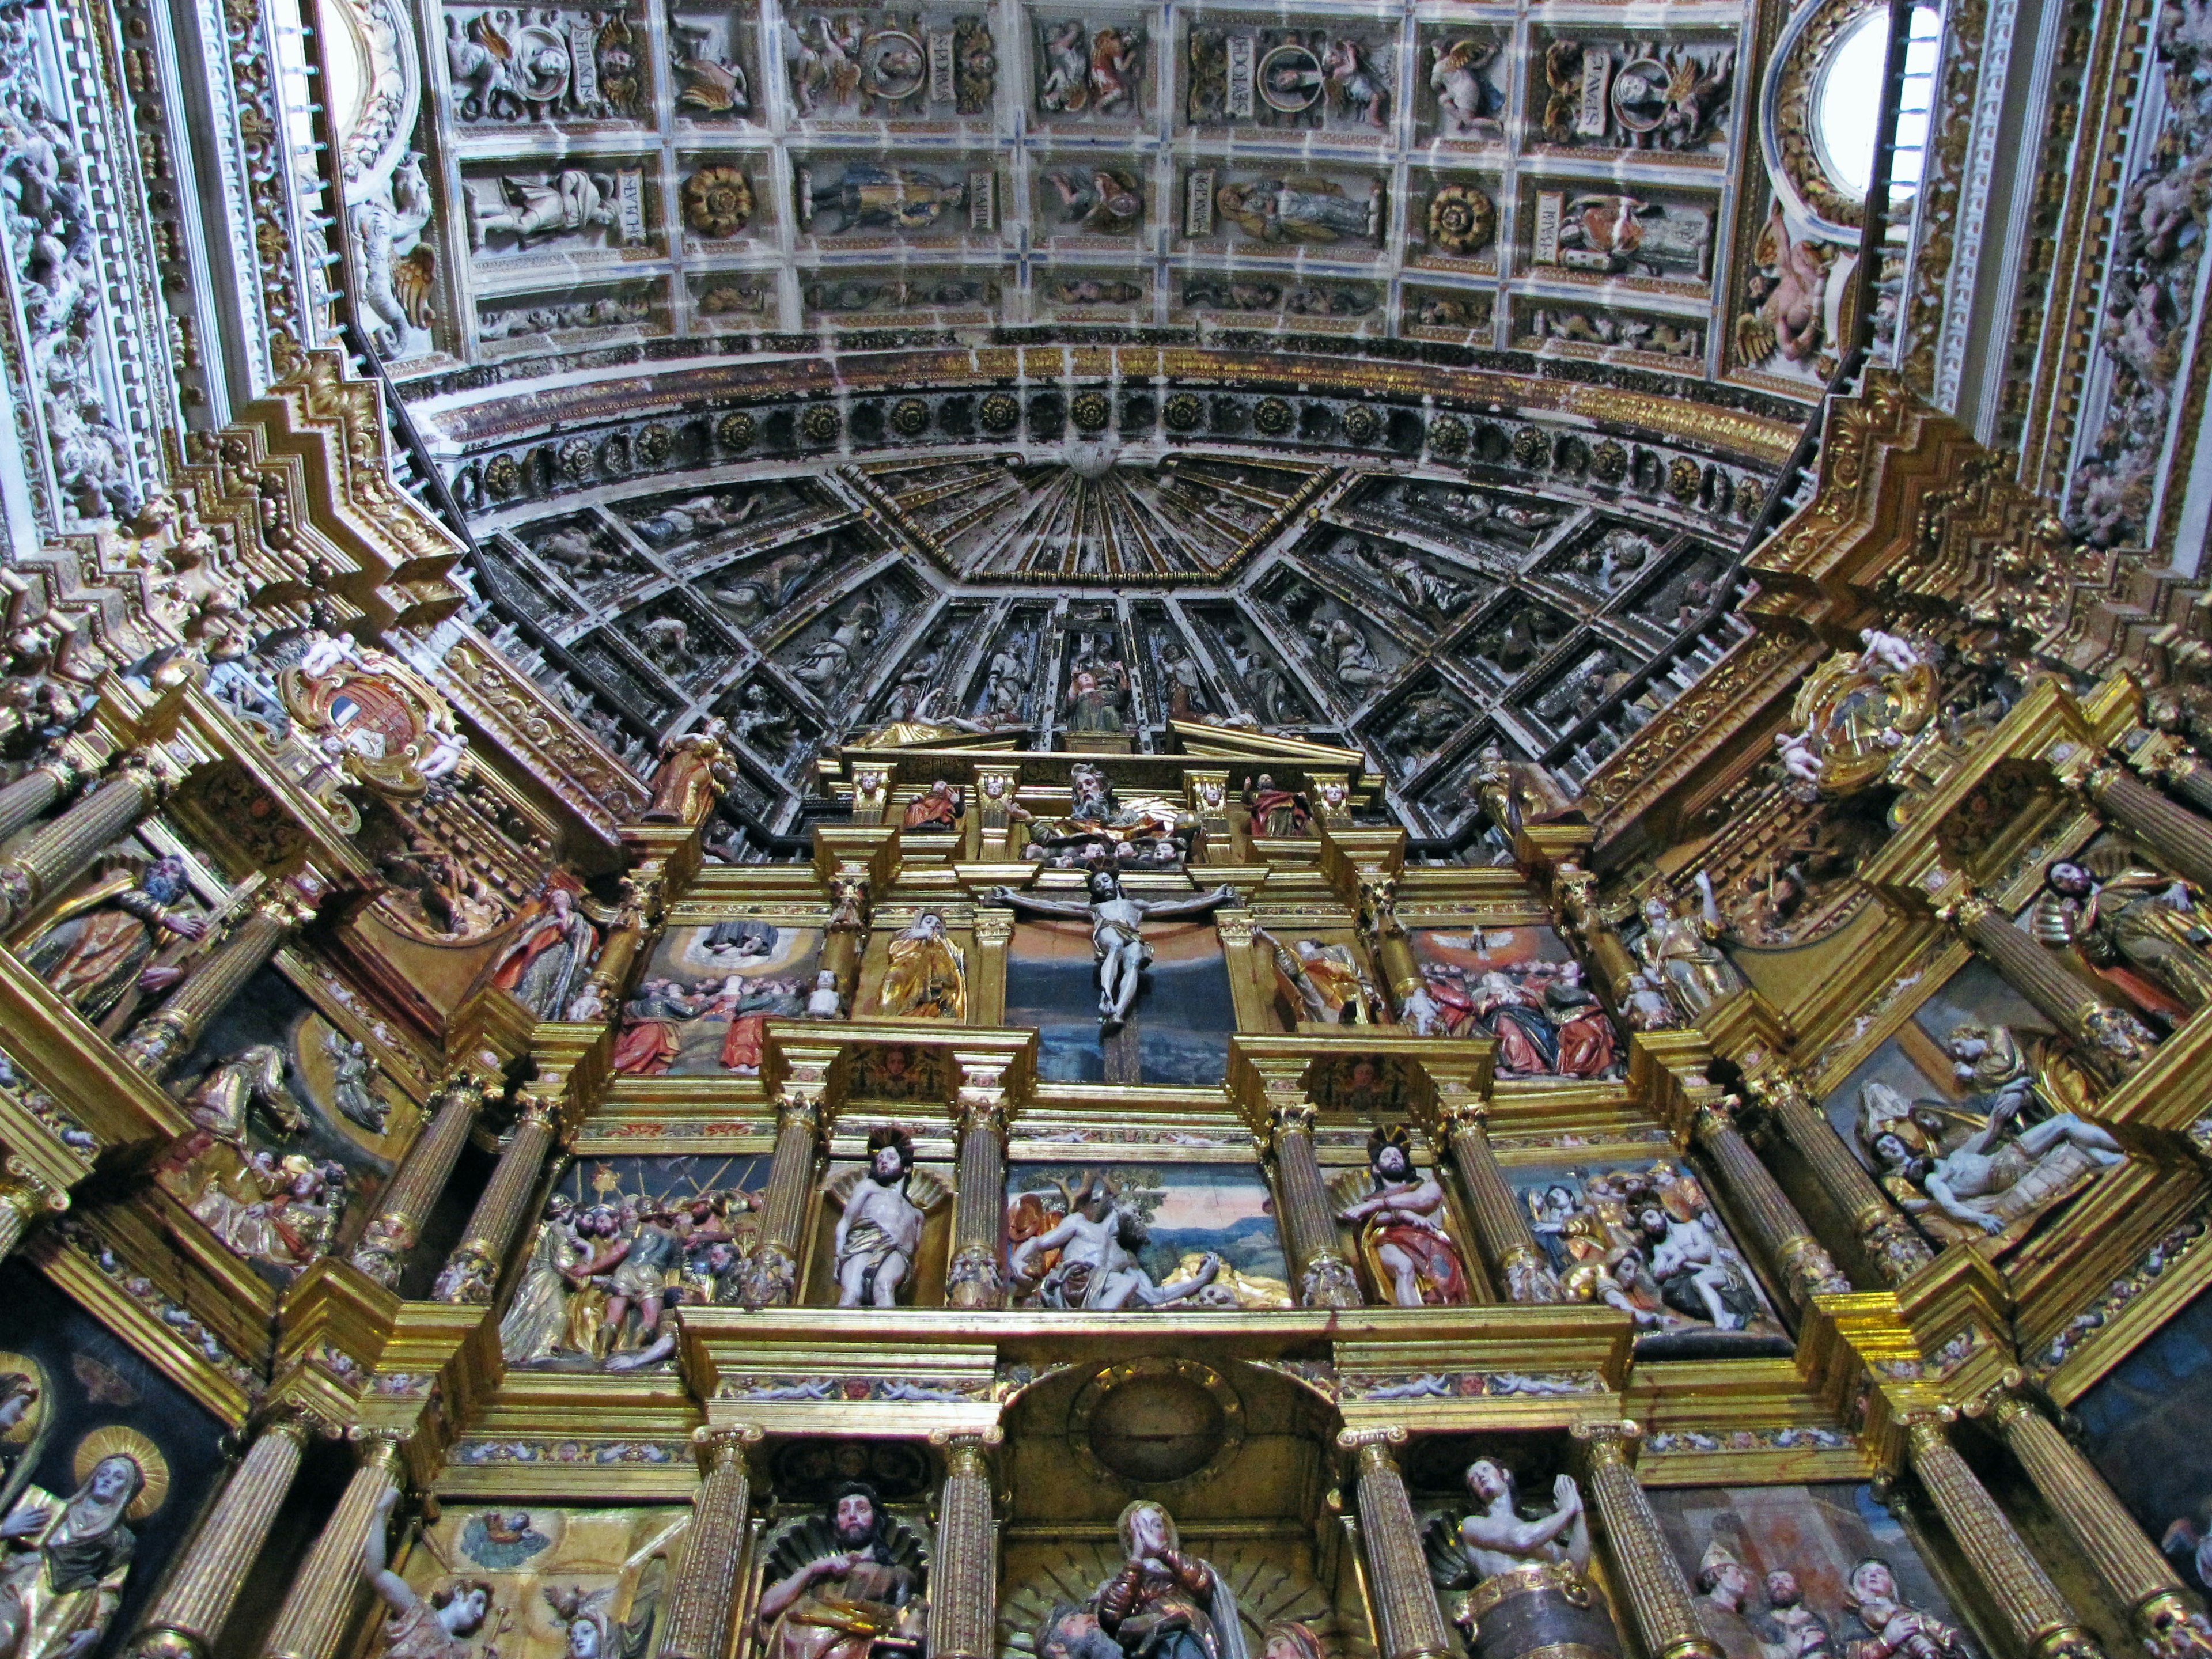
<point x="65" y="1563"/>
<point x="1164" y="1604"/>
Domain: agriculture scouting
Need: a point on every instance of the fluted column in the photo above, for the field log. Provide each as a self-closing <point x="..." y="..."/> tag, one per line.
<point x="1509" y="1250"/>
<point x="59" y="850"/>
<point x="420" y="1180"/>
<point x="705" y="1595"/>
<point x="964" y="1588"/>
<point x="314" y="1619"/>
<point x="2158" y="1605"/>
<point x="2174" y="763"/>
<point x="30" y="795"/>
<point x="471" y="1272"/>
<point x="203" y="1587"/>
<point x="2041" y="1622"/>
<point x="1325" y="1277"/>
<point x="1651" y="1580"/>
<point x="2177" y="835"/>
<point x="1893" y="1244"/>
<point x="2110" y="1038"/>
<point x="974" y="1277"/>
<point x="1776" y="1230"/>
<point x="1397" y="1567"/>
<point x="157" y="1043"/>
<point x="771" y="1276"/>
<point x="24" y="1197"/>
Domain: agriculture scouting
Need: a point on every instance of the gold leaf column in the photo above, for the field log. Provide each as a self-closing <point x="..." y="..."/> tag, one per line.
<point x="1775" y="1228"/>
<point x="2042" y="1624"/>
<point x="314" y="1619"/>
<point x="2158" y="1603"/>
<point x="59" y="850"/>
<point x="24" y="1197"/>
<point x="1325" y="1277"/>
<point x="202" y="1587"/>
<point x="996" y="785"/>
<point x="705" y="1595"/>
<point x="1459" y="1121"/>
<point x="471" y="1272"/>
<point x="973" y="1279"/>
<point x="964" y="1588"/>
<point x="1893" y="1245"/>
<point x="30" y="795"/>
<point x="2110" y="1038"/>
<point x="2177" y="835"/>
<point x="167" y="1036"/>
<point x="770" y="1277"/>
<point x="420" y="1180"/>
<point x="987" y="980"/>
<point x="1651" y="1579"/>
<point x="1398" y="1568"/>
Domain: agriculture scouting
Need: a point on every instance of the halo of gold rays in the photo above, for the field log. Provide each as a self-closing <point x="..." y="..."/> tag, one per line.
<point x="118" y="1440"/>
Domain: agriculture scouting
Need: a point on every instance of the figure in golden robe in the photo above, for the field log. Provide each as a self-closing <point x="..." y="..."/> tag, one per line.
<point x="1163" y="1603"/>
<point x="2144" y="931"/>
<point x="66" y="1561"/>
<point x="1410" y="1257"/>
<point x="433" y="1627"/>
<point x="927" y="974"/>
<point x="538" y="1316"/>
<point x="850" y="1595"/>
<point x="1681" y="953"/>
<point x="95" y="950"/>
<point x="1324" y="982"/>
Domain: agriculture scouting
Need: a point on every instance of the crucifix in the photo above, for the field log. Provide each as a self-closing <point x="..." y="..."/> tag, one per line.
<point x="1117" y="942"/>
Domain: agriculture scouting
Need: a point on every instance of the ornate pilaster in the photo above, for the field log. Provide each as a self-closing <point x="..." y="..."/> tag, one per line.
<point x="1208" y="793"/>
<point x="1779" y="1232"/>
<point x="1325" y="1277"/>
<point x="1234" y="925"/>
<point x="1651" y="1578"/>
<point x="846" y="938"/>
<point x="2110" y="1038"/>
<point x="2174" y="764"/>
<point x="24" y="1197"/>
<point x="30" y="795"/>
<point x="704" y="1594"/>
<point x="1413" y="1626"/>
<point x="59" y="850"/>
<point x="770" y="1278"/>
<point x="420" y="1180"/>
<point x="313" y="1620"/>
<point x="167" y="1035"/>
<point x="202" y="1587"/>
<point x="1574" y="892"/>
<point x="1517" y="1265"/>
<point x="1893" y="1246"/>
<point x="996" y="783"/>
<point x="964" y="1576"/>
<point x="2177" y="835"/>
<point x="872" y="787"/>
<point x="2158" y="1604"/>
<point x="974" y="1278"/>
<point x="986" y="986"/>
<point x="2041" y="1622"/>
<point x="471" y="1272"/>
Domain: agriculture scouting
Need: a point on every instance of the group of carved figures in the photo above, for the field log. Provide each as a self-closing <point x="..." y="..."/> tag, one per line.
<point x="1647" y="1242"/>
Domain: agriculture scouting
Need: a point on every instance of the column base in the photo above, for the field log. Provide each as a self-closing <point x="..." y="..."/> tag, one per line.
<point x="1896" y="1249"/>
<point x="974" y="1280"/>
<point x="768" y="1279"/>
<point x="2065" y="1642"/>
<point x="165" y="1641"/>
<point x="1529" y="1278"/>
<point x="2169" y="1630"/>
<point x="160" y="1042"/>
<point x="1329" y="1282"/>
<point x="469" y="1275"/>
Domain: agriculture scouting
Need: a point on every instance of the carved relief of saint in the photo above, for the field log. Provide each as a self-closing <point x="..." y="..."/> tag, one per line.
<point x="66" y="1561"/>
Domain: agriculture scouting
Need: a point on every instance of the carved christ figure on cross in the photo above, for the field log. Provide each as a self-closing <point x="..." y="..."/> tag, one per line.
<point x="1116" y="933"/>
